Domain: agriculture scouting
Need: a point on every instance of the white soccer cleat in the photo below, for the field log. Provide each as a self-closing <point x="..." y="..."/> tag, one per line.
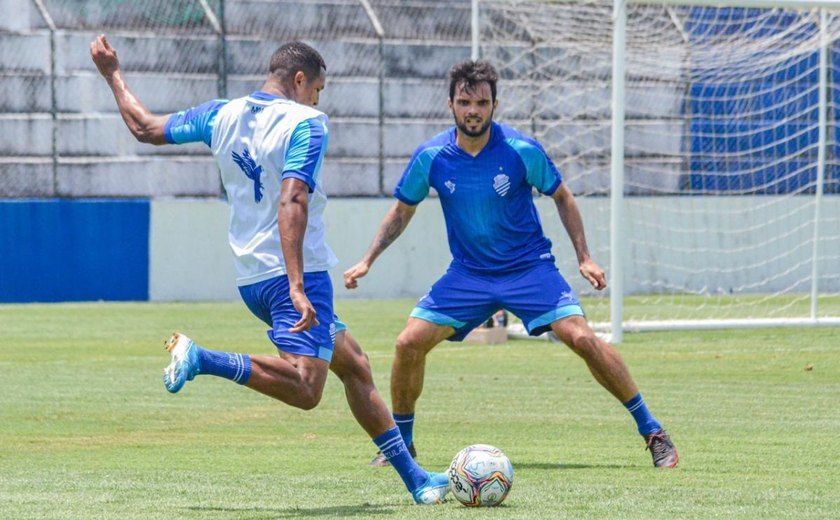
<point x="433" y="491"/>
<point x="184" y="364"/>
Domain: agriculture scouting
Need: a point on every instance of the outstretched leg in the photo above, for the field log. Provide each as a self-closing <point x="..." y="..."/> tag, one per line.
<point x="293" y="379"/>
<point x="609" y="370"/>
<point x="352" y="367"/>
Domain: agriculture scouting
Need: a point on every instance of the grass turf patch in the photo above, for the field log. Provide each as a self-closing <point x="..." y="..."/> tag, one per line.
<point x="87" y="430"/>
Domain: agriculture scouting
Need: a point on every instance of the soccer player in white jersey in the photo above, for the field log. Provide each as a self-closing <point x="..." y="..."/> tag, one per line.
<point x="269" y="146"/>
<point x="484" y="174"/>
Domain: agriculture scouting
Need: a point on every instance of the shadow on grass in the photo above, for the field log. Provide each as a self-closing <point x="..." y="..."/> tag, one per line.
<point x="550" y="465"/>
<point x="362" y="510"/>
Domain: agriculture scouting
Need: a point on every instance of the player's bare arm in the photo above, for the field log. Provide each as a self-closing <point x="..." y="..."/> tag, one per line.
<point x="573" y="222"/>
<point x="292" y="213"/>
<point x="392" y="226"/>
<point x="145" y="126"/>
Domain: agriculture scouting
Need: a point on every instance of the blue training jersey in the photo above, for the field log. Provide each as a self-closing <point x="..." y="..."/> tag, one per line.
<point x="491" y="220"/>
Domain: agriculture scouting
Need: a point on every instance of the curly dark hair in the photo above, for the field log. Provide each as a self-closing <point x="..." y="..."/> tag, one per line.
<point x="471" y="73"/>
<point x="294" y="56"/>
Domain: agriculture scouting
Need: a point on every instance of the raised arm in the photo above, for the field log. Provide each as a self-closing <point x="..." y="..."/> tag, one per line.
<point x="292" y="213"/>
<point x="145" y="126"/>
<point x="573" y="222"/>
<point x="392" y="226"/>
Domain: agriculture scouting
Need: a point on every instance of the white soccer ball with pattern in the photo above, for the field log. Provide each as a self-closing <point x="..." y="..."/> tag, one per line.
<point x="480" y="475"/>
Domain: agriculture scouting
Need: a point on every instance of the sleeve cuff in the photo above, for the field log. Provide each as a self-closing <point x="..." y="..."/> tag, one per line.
<point x="399" y="196"/>
<point x="291" y="174"/>
<point x="556" y="184"/>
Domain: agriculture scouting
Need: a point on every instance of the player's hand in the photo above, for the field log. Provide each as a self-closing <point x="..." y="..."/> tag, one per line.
<point x="104" y="56"/>
<point x="352" y="275"/>
<point x="593" y="272"/>
<point x="308" y="316"/>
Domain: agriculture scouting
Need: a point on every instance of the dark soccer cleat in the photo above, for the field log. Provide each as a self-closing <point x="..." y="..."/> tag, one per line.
<point x="380" y="461"/>
<point x="662" y="449"/>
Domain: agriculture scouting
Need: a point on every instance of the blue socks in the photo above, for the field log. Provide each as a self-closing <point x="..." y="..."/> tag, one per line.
<point x="645" y="421"/>
<point x="233" y="366"/>
<point x="393" y="447"/>
<point x="406" y="425"/>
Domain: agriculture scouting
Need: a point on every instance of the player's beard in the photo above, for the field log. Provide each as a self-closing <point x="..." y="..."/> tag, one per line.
<point x="462" y="126"/>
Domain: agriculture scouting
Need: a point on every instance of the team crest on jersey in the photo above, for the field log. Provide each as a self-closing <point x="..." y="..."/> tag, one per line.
<point x="450" y="186"/>
<point x="251" y="170"/>
<point x="501" y="183"/>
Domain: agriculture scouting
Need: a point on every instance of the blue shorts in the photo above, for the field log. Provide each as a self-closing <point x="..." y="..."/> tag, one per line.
<point x="463" y="299"/>
<point x="269" y="301"/>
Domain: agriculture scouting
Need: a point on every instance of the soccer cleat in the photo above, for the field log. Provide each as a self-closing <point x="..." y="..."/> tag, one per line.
<point x="184" y="364"/>
<point x="380" y="461"/>
<point x="433" y="491"/>
<point x="662" y="449"/>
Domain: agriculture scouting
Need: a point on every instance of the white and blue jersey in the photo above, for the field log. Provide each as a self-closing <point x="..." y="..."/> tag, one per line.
<point x="259" y="140"/>
<point x="491" y="220"/>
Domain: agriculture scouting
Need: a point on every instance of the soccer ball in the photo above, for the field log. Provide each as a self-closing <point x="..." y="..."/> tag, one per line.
<point x="480" y="475"/>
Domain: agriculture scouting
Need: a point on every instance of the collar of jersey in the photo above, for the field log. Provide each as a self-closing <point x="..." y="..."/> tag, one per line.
<point x="259" y="95"/>
<point x="495" y="135"/>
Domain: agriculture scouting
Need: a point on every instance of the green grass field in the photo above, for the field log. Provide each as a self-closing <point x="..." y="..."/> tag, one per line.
<point x="87" y="430"/>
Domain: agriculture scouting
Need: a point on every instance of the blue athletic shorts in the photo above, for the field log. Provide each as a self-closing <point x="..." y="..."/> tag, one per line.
<point x="269" y="301"/>
<point x="463" y="299"/>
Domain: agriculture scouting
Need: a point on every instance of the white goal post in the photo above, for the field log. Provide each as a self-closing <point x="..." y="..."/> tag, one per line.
<point x="701" y="139"/>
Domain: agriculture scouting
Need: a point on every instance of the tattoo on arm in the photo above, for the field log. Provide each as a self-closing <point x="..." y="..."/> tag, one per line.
<point x="391" y="230"/>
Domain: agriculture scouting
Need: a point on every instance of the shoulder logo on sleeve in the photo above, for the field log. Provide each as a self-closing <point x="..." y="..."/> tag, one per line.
<point x="501" y="183"/>
<point x="251" y="170"/>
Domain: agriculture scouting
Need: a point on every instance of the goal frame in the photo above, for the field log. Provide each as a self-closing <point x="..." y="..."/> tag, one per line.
<point x="616" y="327"/>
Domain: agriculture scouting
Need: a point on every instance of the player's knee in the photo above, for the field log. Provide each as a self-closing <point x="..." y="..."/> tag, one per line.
<point x="581" y="341"/>
<point x="408" y="345"/>
<point x="305" y="395"/>
<point x="308" y="398"/>
<point x="310" y="404"/>
<point x="361" y="366"/>
<point x="354" y="367"/>
<point x="350" y="361"/>
<point x="577" y="335"/>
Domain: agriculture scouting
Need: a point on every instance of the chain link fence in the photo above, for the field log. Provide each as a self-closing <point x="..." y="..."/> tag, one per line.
<point x="62" y="136"/>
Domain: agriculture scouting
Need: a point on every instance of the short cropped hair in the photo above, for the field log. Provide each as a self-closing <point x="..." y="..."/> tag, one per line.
<point x="471" y="73"/>
<point x="291" y="57"/>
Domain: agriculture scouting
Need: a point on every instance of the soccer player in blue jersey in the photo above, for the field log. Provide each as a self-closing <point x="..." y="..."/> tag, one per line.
<point x="269" y="146"/>
<point x="484" y="173"/>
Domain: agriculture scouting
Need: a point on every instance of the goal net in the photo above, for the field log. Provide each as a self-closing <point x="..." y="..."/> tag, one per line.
<point x="730" y="214"/>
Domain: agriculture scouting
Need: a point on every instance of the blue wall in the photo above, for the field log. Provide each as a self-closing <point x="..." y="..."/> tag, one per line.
<point x="775" y="115"/>
<point x="79" y="250"/>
